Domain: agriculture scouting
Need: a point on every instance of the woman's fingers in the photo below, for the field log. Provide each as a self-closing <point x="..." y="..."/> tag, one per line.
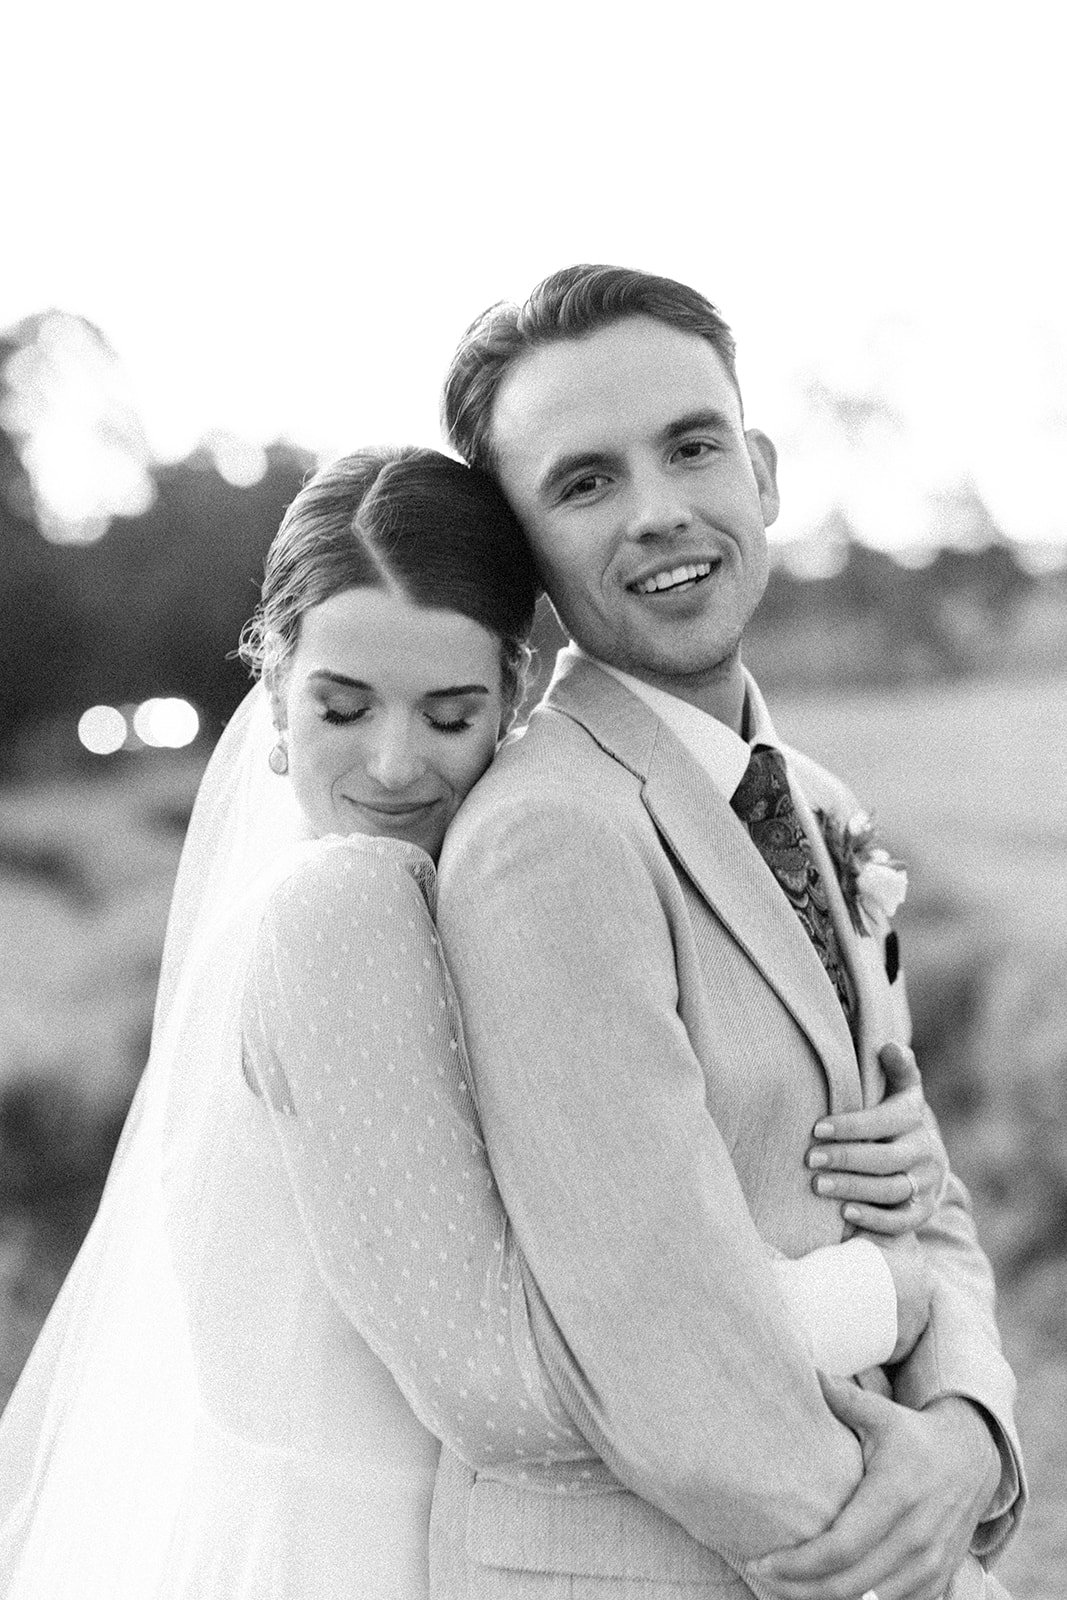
<point x="901" y="1109"/>
<point x="888" y="1221"/>
<point x="887" y="1120"/>
<point x="900" y="1067"/>
<point x="885" y="1165"/>
<point x="879" y="1159"/>
<point x="895" y="1190"/>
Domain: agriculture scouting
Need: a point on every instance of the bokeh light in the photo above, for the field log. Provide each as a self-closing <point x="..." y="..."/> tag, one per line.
<point x="166" y="723"/>
<point x="102" y="730"/>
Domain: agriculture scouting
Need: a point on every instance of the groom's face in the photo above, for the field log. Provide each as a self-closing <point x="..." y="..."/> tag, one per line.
<point x="625" y="457"/>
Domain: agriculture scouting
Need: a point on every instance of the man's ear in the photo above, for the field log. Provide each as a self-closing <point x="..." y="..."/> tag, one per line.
<point x="764" y="459"/>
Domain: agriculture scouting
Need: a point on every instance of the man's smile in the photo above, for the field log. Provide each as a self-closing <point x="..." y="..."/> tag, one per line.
<point x="682" y="576"/>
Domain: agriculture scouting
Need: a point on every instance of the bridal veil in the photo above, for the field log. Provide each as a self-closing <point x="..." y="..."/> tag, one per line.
<point x="181" y="1358"/>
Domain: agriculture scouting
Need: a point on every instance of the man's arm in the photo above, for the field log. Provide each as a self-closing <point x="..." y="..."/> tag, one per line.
<point x="652" y="1298"/>
<point x="959" y="1356"/>
<point x="959" y="1359"/>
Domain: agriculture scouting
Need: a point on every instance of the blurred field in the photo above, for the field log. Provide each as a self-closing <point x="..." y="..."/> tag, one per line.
<point x="969" y="784"/>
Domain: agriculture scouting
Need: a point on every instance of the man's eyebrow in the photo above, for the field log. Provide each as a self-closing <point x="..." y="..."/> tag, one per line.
<point x="693" y="422"/>
<point x="583" y="461"/>
<point x="453" y="692"/>
<point x="579" y="461"/>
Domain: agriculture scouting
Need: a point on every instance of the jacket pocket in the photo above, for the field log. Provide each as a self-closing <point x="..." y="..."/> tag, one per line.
<point x="608" y="1533"/>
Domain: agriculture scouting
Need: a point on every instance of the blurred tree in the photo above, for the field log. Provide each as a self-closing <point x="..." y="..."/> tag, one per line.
<point x="121" y="579"/>
<point x="167" y="593"/>
<point x="40" y="626"/>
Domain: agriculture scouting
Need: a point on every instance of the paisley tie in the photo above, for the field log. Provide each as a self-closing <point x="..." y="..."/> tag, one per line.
<point x="764" y="803"/>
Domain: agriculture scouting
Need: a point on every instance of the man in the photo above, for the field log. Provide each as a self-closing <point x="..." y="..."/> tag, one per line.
<point x="654" y="1029"/>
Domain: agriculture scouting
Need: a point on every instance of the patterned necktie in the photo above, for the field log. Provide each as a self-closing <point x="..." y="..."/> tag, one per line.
<point x="764" y="803"/>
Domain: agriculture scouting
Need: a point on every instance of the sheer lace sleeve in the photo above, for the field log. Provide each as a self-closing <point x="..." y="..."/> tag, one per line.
<point x="353" y="1044"/>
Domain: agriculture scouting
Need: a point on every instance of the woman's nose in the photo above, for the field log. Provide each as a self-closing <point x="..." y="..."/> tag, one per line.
<point x="394" y="759"/>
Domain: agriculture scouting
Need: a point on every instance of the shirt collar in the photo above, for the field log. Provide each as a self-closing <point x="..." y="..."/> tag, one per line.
<point x="721" y="752"/>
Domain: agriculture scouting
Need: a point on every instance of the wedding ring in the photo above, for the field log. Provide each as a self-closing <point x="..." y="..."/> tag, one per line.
<point x="914" y="1187"/>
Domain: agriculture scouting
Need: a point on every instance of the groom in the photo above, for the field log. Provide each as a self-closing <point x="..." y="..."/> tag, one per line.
<point x="653" y="1032"/>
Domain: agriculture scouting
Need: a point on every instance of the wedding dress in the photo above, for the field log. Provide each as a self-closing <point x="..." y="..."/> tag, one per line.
<point x="300" y="1276"/>
<point x="200" y="1418"/>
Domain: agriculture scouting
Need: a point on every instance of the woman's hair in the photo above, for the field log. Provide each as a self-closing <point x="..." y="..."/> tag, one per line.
<point x="405" y="519"/>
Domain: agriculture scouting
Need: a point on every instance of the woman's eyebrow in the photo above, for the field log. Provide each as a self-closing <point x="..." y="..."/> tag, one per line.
<point x="456" y="690"/>
<point x="324" y="675"/>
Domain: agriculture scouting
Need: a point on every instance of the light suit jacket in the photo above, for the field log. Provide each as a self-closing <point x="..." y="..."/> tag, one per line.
<point x="652" y="1037"/>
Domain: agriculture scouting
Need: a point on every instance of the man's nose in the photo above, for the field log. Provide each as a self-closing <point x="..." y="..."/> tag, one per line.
<point x="657" y="505"/>
<point x="395" y="759"/>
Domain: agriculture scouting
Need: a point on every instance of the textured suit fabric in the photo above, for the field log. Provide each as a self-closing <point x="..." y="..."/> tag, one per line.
<point x="652" y="1037"/>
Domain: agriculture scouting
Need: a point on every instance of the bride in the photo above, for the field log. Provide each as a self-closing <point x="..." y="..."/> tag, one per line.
<point x="300" y="1277"/>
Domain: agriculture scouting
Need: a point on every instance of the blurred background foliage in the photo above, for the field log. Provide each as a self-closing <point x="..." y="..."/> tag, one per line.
<point x="937" y="688"/>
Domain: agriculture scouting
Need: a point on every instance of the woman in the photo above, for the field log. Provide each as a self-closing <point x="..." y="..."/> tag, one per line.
<point x="300" y="1276"/>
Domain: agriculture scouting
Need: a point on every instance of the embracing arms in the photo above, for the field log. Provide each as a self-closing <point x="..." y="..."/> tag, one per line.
<point x="355" y="1049"/>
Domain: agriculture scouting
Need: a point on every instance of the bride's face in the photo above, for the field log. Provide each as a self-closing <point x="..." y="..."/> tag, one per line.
<point x="392" y="713"/>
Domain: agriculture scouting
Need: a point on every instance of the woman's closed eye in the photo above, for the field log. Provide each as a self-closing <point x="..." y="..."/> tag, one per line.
<point x="337" y="716"/>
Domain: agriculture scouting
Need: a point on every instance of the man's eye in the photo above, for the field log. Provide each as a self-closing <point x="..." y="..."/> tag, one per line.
<point x="583" y="486"/>
<point x="694" y="449"/>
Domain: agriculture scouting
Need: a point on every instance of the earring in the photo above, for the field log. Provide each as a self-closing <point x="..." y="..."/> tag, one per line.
<point x="278" y="760"/>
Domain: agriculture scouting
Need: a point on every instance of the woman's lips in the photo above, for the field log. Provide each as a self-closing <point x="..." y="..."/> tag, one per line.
<point x="392" y="810"/>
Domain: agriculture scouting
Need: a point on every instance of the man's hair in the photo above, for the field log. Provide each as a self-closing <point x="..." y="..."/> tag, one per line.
<point x="569" y="304"/>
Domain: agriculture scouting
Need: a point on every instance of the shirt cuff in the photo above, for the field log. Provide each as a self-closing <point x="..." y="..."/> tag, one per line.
<point x="844" y="1304"/>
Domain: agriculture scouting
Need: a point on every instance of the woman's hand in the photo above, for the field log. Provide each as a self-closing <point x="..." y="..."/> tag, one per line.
<point x="886" y="1164"/>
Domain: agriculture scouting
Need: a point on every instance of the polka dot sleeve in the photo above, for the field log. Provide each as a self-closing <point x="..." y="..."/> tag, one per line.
<point x="354" y="1046"/>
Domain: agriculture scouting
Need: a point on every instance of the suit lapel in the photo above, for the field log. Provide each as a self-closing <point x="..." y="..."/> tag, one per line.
<point x="719" y="858"/>
<point x="863" y="954"/>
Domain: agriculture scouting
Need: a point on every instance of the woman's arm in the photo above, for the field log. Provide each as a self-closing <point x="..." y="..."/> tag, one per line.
<point x="353" y="1042"/>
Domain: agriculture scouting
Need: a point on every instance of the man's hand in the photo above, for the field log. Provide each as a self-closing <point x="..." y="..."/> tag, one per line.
<point x="887" y="1163"/>
<point x="928" y="1478"/>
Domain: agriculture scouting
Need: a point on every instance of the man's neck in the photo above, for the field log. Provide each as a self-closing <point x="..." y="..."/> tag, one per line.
<point x="719" y="693"/>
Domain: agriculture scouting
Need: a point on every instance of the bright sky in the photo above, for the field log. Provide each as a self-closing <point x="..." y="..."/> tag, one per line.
<point x="283" y="217"/>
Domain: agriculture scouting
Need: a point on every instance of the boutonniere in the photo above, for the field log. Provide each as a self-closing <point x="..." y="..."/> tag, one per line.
<point x="873" y="884"/>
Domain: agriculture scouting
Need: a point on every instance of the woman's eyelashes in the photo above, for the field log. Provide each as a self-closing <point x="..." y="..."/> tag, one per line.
<point x="334" y="715"/>
<point x="344" y="718"/>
